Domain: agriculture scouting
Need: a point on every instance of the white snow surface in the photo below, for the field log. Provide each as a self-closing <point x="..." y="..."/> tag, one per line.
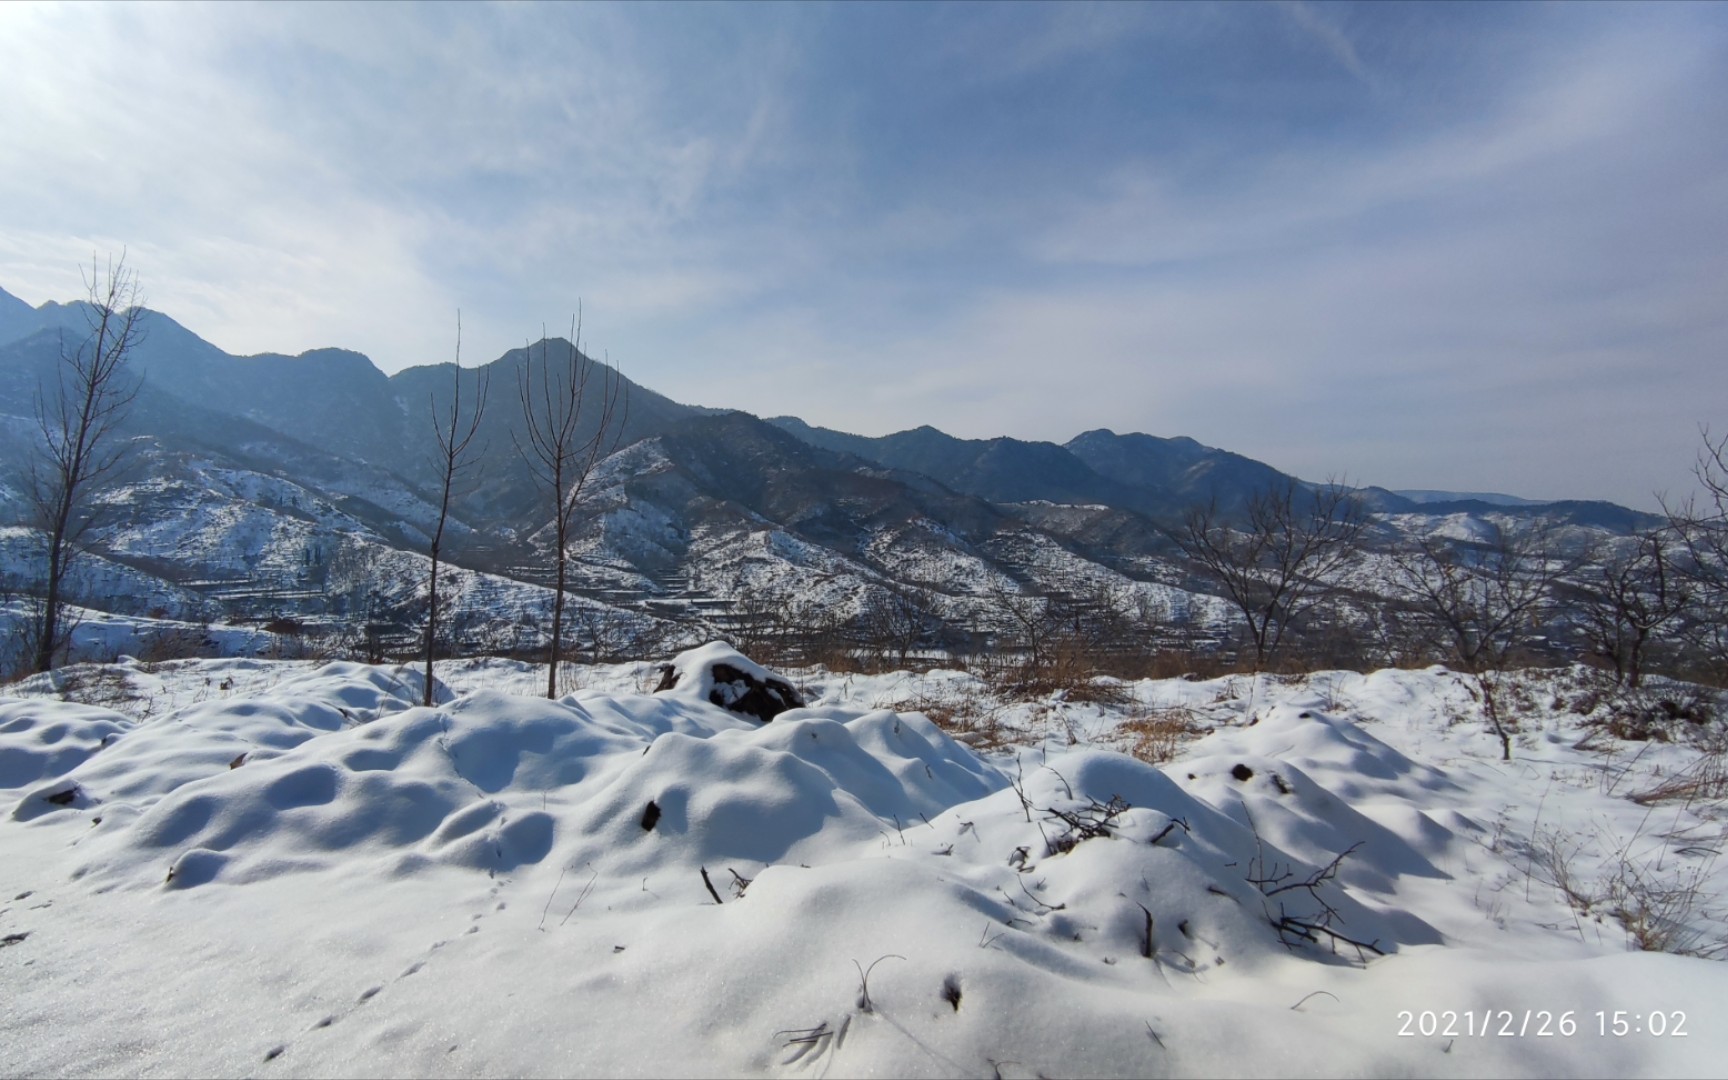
<point x="286" y="868"/>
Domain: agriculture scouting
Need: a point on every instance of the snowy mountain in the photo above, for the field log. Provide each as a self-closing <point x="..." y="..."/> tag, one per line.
<point x="16" y="317"/>
<point x="1424" y="495"/>
<point x="255" y="479"/>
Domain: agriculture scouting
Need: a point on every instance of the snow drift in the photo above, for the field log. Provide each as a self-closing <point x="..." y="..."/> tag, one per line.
<point x="296" y="881"/>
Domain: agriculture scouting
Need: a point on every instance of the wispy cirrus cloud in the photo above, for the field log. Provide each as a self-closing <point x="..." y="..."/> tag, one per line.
<point x="1330" y="37"/>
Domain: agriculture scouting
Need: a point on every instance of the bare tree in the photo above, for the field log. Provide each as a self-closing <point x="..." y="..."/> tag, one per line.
<point x="457" y="457"/>
<point x="78" y="416"/>
<point x="361" y="587"/>
<point x="1286" y="555"/>
<point x="757" y="623"/>
<point x="1147" y="616"/>
<point x="1483" y="603"/>
<point x="1027" y="622"/>
<point x="1703" y="530"/>
<point x="1093" y="628"/>
<point x="610" y="632"/>
<point x="778" y="626"/>
<point x="1063" y="632"/>
<point x="573" y="412"/>
<point x="896" y="621"/>
<point x="1630" y="595"/>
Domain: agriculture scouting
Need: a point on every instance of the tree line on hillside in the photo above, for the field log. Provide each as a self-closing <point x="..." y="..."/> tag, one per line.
<point x="1309" y="578"/>
<point x="1295" y="570"/>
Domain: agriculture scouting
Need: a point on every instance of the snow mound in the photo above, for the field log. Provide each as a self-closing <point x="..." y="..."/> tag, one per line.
<point x="361" y="692"/>
<point x="148" y="761"/>
<point x="1353" y="763"/>
<point x="1100" y="849"/>
<point x="804" y="790"/>
<point x="1297" y="777"/>
<point x="310" y="790"/>
<point x="44" y="740"/>
<point x="494" y="782"/>
<point x="321" y="874"/>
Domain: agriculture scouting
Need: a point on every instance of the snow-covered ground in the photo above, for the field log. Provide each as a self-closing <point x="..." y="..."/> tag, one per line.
<point x="240" y="866"/>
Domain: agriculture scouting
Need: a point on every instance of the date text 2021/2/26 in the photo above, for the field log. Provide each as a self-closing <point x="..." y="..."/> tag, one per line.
<point x="1538" y="1023"/>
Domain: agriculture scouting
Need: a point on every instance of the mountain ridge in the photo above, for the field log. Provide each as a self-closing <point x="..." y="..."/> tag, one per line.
<point x="1150" y="474"/>
<point x="697" y="507"/>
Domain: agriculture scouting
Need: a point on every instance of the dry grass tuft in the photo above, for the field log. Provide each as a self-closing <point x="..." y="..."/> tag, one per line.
<point x="970" y="719"/>
<point x="1156" y="737"/>
<point x="1704" y="780"/>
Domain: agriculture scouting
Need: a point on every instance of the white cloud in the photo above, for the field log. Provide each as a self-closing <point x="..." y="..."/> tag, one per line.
<point x="288" y="176"/>
<point x="1331" y="38"/>
<point x="1459" y="297"/>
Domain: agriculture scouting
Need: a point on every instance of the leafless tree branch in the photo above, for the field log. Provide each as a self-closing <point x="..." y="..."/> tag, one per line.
<point x="455" y="431"/>
<point x="1282" y="559"/>
<point x="92" y="393"/>
<point x="574" y="412"/>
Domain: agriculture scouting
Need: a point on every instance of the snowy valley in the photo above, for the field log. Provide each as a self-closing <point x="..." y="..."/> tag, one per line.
<point x="282" y="506"/>
<point x="1007" y="826"/>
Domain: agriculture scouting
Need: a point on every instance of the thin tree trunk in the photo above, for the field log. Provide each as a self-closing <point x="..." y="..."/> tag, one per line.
<point x="454" y="440"/>
<point x="432" y="617"/>
<point x="49" y="643"/>
<point x="557" y="626"/>
<point x="1492" y="708"/>
<point x="45" y="645"/>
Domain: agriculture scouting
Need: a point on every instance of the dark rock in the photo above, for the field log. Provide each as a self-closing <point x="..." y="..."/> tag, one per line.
<point x="740" y="692"/>
<point x="724" y="677"/>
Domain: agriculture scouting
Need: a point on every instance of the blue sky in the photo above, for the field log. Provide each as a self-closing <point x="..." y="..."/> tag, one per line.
<point x="1464" y="246"/>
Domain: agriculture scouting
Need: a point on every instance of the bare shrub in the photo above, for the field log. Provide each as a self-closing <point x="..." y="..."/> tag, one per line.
<point x="1705" y="780"/>
<point x="1156" y="737"/>
<point x="1089" y="822"/>
<point x="1628" y="598"/>
<point x="176" y="643"/>
<point x="1657" y="912"/>
<point x="1305" y="913"/>
<point x="101" y="685"/>
<point x="1656" y="909"/>
<point x="1669" y="712"/>
<point x="972" y="719"/>
<point x="1551" y="859"/>
<point x="1098" y="690"/>
<point x="1702" y="527"/>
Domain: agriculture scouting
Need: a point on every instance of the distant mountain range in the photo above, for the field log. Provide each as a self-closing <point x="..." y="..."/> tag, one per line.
<point x="260" y="481"/>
